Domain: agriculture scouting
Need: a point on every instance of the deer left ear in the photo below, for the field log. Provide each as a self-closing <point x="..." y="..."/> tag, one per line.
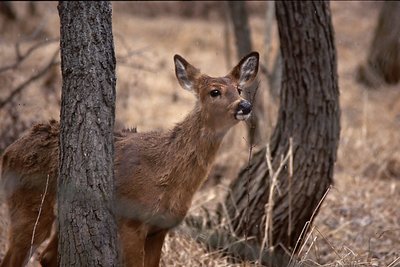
<point x="185" y="73"/>
<point x="246" y="71"/>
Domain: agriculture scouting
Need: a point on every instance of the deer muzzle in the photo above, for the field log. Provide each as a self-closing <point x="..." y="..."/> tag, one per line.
<point x="243" y="110"/>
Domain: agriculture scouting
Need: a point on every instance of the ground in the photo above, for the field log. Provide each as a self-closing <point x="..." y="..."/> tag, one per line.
<point x="359" y="221"/>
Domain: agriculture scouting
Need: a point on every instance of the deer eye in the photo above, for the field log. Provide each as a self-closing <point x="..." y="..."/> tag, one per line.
<point x="239" y="91"/>
<point x="215" y="93"/>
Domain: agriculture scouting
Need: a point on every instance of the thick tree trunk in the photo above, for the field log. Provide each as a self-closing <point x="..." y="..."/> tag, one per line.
<point x="87" y="227"/>
<point x="309" y="115"/>
<point x="241" y="28"/>
<point x="383" y="63"/>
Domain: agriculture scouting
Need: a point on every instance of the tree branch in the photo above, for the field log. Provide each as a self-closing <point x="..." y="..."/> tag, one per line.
<point x="22" y="57"/>
<point x="22" y="86"/>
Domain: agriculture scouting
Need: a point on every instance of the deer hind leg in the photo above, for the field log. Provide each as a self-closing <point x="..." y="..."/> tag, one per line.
<point x="23" y="209"/>
<point x="48" y="258"/>
<point x="153" y="247"/>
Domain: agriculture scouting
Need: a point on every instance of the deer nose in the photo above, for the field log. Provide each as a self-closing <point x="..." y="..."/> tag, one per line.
<point x="244" y="106"/>
<point x="243" y="110"/>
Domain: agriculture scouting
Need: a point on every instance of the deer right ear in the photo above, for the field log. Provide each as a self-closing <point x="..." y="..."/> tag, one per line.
<point x="246" y="71"/>
<point x="185" y="73"/>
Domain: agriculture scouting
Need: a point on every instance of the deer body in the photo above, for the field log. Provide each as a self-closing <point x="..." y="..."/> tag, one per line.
<point x="157" y="173"/>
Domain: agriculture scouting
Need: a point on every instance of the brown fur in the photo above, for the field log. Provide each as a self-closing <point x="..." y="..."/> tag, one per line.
<point x="157" y="174"/>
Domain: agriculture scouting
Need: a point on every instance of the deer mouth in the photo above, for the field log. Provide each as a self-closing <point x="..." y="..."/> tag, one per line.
<point x="241" y="116"/>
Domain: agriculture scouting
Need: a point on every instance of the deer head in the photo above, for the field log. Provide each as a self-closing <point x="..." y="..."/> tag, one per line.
<point x="219" y="98"/>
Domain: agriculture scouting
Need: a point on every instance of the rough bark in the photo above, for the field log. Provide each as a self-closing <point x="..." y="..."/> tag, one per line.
<point x="241" y="28"/>
<point x="309" y="115"/>
<point x="383" y="62"/>
<point x="87" y="227"/>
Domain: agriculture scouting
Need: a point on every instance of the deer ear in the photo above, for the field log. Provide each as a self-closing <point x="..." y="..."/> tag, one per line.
<point x="246" y="71"/>
<point x="185" y="73"/>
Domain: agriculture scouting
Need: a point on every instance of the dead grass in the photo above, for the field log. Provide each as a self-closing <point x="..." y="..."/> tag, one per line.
<point x="359" y="221"/>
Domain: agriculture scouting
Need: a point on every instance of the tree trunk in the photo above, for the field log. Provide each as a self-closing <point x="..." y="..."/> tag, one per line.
<point x="383" y="63"/>
<point x="309" y="115"/>
<point x="7" y="10"/>
<point x="87" y="227"/>
<point x="241" y="28"/>
<point x="274" y="74"/>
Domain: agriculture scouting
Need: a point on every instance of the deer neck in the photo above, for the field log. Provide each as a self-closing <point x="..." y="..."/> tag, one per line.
<point x="194" y="147"/>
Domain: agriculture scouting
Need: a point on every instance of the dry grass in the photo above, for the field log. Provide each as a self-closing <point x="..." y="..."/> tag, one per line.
<point x="359" y="221"/>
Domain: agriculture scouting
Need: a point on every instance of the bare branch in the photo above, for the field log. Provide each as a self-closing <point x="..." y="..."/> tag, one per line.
<point x="129" y="51"/>
<point x="22" y="57"/>
<point x="122" y="62"/>
<point x="22" y="86"/>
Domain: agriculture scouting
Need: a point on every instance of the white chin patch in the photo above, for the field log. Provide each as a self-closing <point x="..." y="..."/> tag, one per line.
<point x="242" y="117"/>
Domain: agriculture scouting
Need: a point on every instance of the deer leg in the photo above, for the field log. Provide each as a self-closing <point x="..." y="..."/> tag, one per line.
<point x="132" y="236"/>
<point x="48" y="258"/>
<point x="153" y="248"/>
<point x="24" y="208"/>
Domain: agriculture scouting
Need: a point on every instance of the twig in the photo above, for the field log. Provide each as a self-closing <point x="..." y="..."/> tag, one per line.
<point x="229" y="223"/>
<point x="22" y="86"/>
<point x="394" y="262"/>
<point x="122" y="62"/>
<point x="386" y="231"/>
<point x="311" y="246"/>
<point x="130" y="52"/>
<point x="246" y="221"/>
<point x="247" y="215"/>
<point x="268" y="230"/>
<point x="308" y="223"/>
<point x="135" y="52"/>
<point x="329" y="243"/>
<point x="37" y="218"/>
<point x="290" y="187"/>
<point x="22" y="57"/>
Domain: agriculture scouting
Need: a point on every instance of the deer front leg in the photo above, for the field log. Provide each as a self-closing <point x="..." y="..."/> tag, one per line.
<point x="133" y="236"/>
<point x="153" y="247"/>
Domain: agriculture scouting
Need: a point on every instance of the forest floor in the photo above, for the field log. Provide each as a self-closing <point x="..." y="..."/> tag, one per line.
<point x="358" y="223"/>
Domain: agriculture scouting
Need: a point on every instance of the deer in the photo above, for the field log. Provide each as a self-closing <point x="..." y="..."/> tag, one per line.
<point x="157" y="173"/>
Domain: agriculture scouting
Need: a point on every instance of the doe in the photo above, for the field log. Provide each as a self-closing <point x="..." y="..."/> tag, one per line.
<point x="157" y="173"/>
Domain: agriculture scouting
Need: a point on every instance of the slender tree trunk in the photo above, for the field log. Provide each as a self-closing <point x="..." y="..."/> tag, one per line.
<point x="241" y="28"/>
<point x="383" y="63"/>
<point x="7" y="10"/>
<point x="309" y="116"/>
<point x="87" y="227"/>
